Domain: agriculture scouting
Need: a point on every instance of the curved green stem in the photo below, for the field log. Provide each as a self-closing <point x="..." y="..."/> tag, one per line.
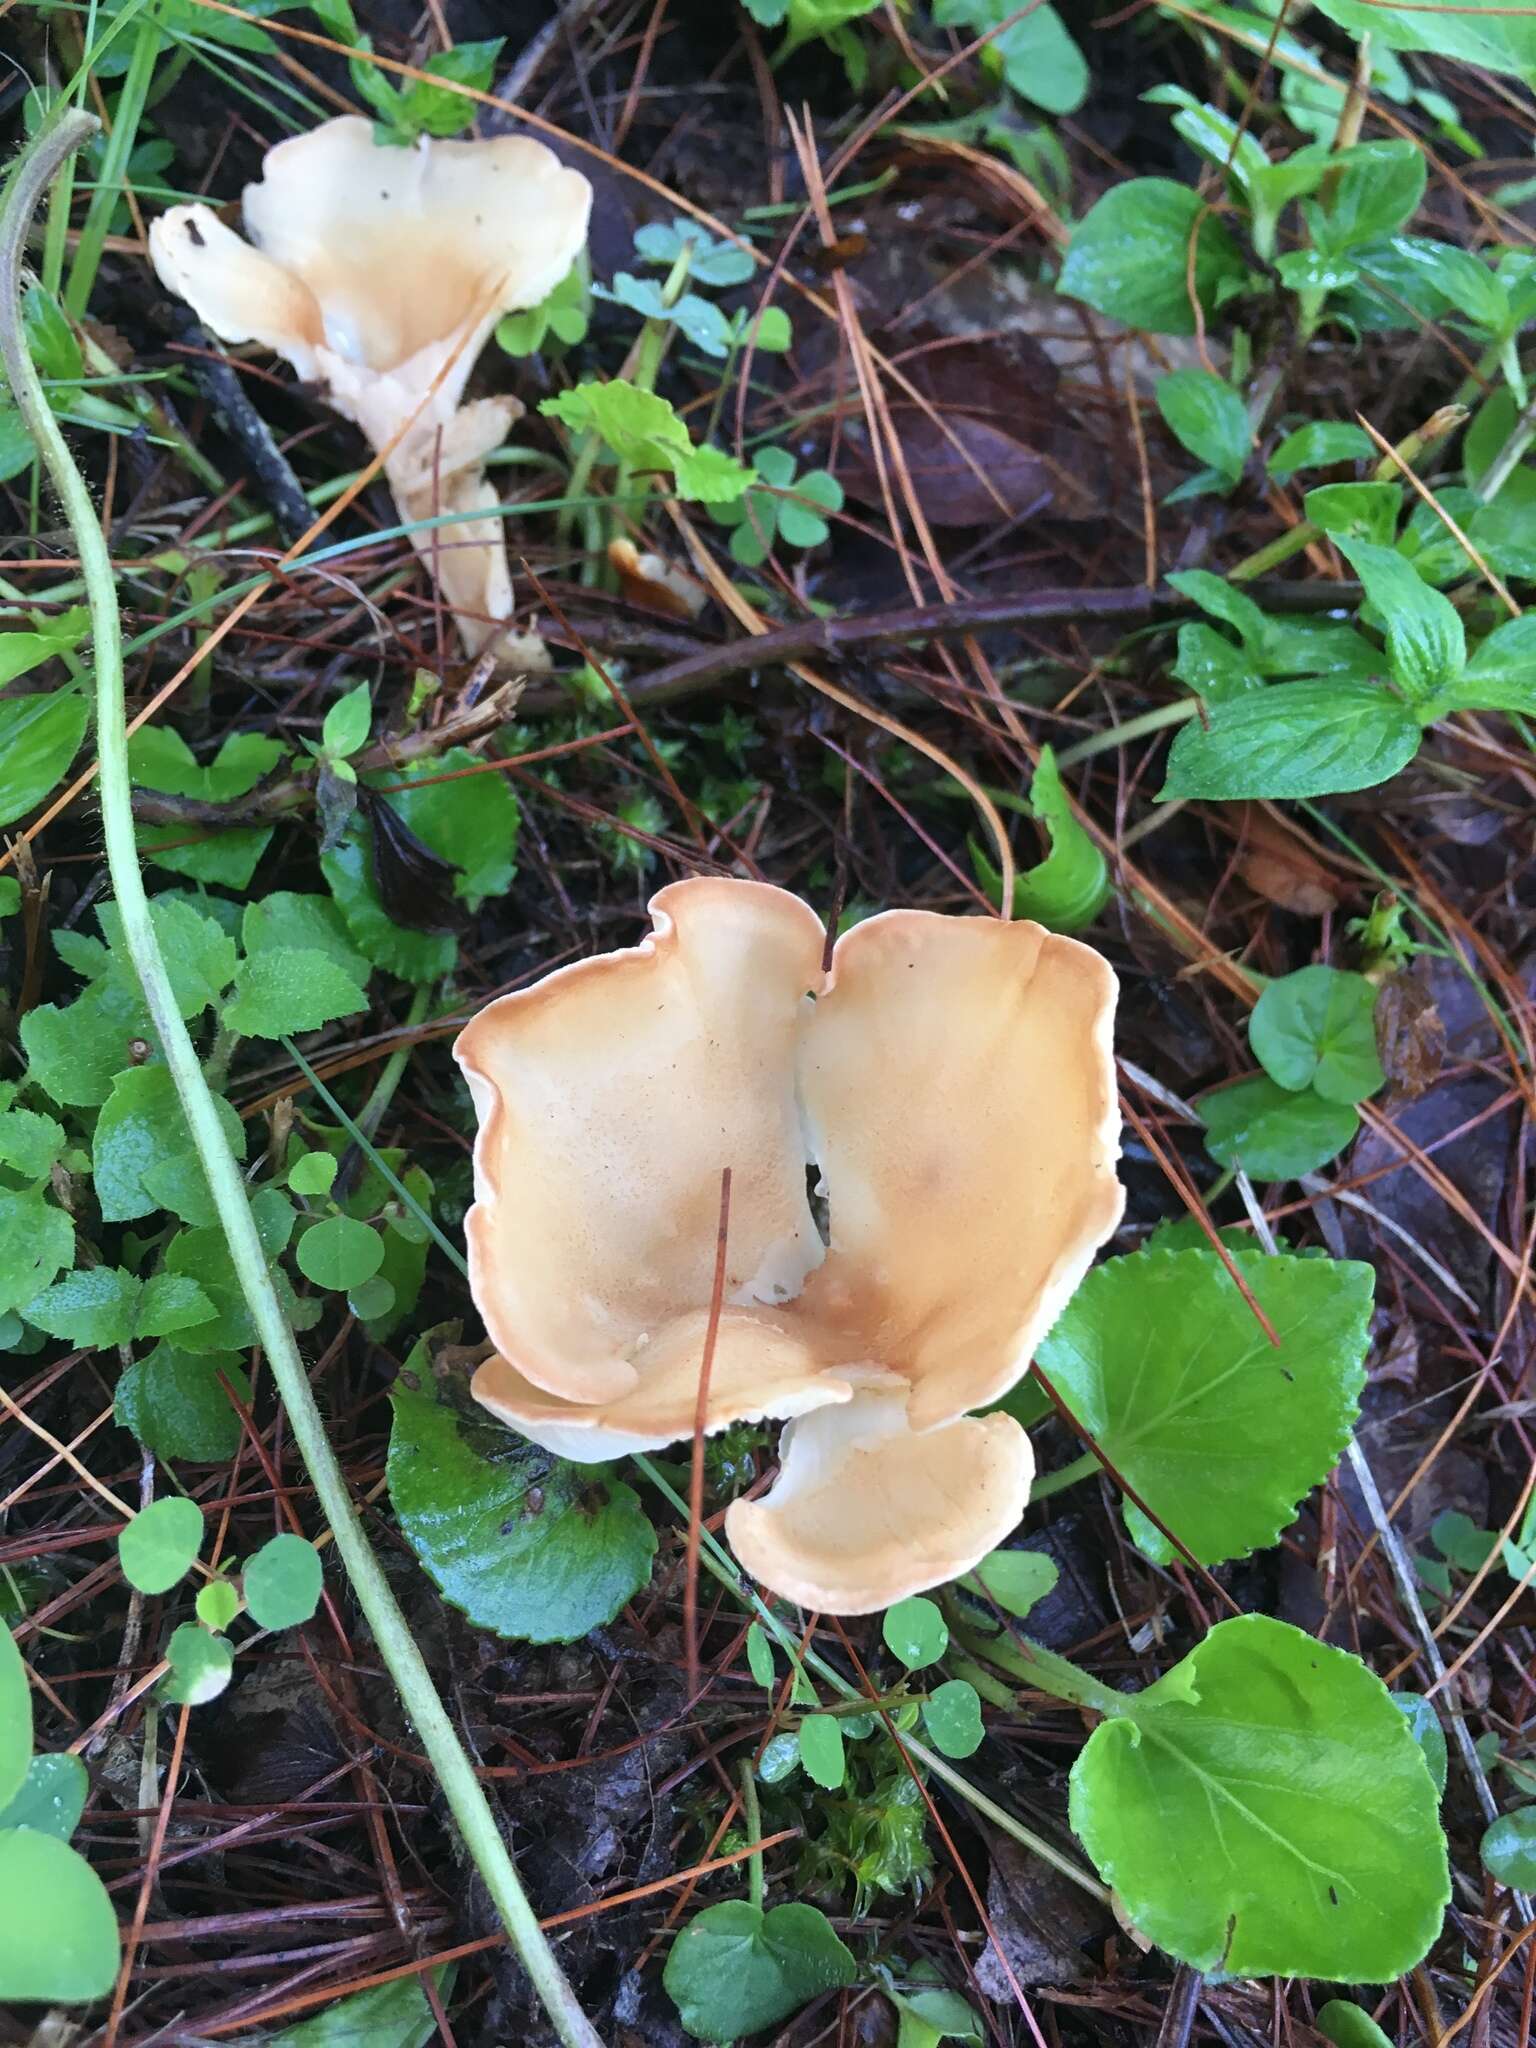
<point x="396" y="1645"/>
<point x="752" y="1815"/>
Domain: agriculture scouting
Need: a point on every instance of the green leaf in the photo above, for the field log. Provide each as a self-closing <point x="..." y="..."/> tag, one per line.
<point x="1482" y="33"/>
<point x="1167" y="1369"/>
<point x="30" y="1142"/>
<point x="74" y="1051"/>
<point x="36" y="1242"/>
<point x="780" y="1759"/>
<point x="159" y="759"/>
<point x="175" y="1405"/>
<point x="735" y="1969"/>
<point x="348" y="722"/>
<point x="159" y="1546"/>
<point x="1346" y="2025"/>
<point x="1264" y="1810"/>
<point x="39" y="737"/>
<point x="1293" y="740"/>
<point x="1036" y="54"/>
<point x="282" y="1583"/>
<point x="280" y="993"/>
<point x="644" y="433"/>
<point x="928" y="2017"/>
<point x="710" y="261"/>
<point x="284" y="922"/>
<point x="1318" y="445"/>
<point x="435" y="109"/>
<point x="203" y="1255"/>
<point x="143" y="1157"/>
<point x="21" y="652"/>
<point x="15" y="1718"/>
<point x="1426" y="643"/>
<point x="1508" y="1848"/>
<point x="524" y="1545"/>
<point x="1208" y="417"/>
<point x="339" y="1253"/>
<point x="59" y="1943"/>
<point x="1317" y="1028"/>
<point x="1368" y="512"/>
<point x="1376" y="188"/>
<point x="1129" y="256"/>
<point x="1068" y="889"/>
<point x="952" y="1716"/>
<point x="821" y="1750"/>
<point x="1501" y="676"/>
<point x="93" y="1306"/>
<point x="52" y="1797"/>
<point x="1017" y="1579"/>
<point x="393" y="2015"/>
<point x="1271" y="1133"/>
<point x="760" y="1656"/>
<point x="915" y="1632"/>
<point x="201" y="1664"/>
<point x="217" y="1604"/>
<point x="1421" y="1717"/>
<point x="199" y="954"/>
<point x="312" y="1173"/>
<point x="562" y="312"/>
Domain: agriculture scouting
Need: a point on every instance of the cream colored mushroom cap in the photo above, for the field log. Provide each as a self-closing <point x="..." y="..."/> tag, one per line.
<point x="952" y="1080"/>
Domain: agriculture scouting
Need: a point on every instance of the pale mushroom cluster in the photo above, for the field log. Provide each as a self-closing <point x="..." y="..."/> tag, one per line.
<point x="378" y="273"/>
<point x="945" y="1084"/>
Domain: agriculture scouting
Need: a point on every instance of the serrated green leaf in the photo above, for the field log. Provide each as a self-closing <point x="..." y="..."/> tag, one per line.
<point x="37" y="1241"/>
<point x="284" y="921"/>
<point x="93" y="1306"/>
<point x="59" y="1943"/>
<point x="30" y="1142"/>
<point x="1220" y="1433"/>
<point x="735" y="1969"/>
<point x="175" y="1405"/>
<point x="1264" y="1811"/>
<point x="143" y="1158"/>
<point x="1316" y="1028"/>
<point x="159" y="1546"/>
<point x="280" y="993"/>
<point x="644" y="432"/>
<point x="524" y="1545"/>
<point x="1271" y="1133"/>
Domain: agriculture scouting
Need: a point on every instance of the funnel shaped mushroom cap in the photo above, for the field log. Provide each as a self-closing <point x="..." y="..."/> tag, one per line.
<point x="379" y="272"/>
<point x="952" y="1081"/>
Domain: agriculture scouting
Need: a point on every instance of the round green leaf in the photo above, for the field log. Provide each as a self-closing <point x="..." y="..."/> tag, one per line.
<point x="525" y="1545"/>
<point x="339" y="1253"/>
<point x="821" y="1750"/>
<point x="200" y="1666"/>
<point x="1316" y="1028"/>
<point x="952" y="1716"/>
<point x="217" y="1605"/>
<point x="1264" y="1810"/>
<point x="375" y="1298"/>
<point x="780" y="1758"/>
<point x="915" y="1631"/>
<point x="1346" y="2025"/>
<point x="1221" y="1433"/>
<point x="158" y="1547"/>
<point x="760" y="1656"/>
<point x="735" y="1969"/>
<point x="52" y="1796"/>
<point x="282" y="1582"/>
<point x="312" y="1173"/>
<point x="1509" y="1849"/>
<point x="15" y="1718"/>
<point x="1271" y="1133"/>
<point x="1017" y="1579"/>
<point x="58" y="1934"/>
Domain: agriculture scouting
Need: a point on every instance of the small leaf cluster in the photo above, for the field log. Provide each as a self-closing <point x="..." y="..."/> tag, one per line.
<point x="420" y="107"/>
<point x="786" y="505"/>
<point x="686" y="250"/>
<point x="642" y="432"/>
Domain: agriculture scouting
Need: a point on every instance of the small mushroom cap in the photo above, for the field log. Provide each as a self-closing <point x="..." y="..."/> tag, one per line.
<point x="865" y="1511"/>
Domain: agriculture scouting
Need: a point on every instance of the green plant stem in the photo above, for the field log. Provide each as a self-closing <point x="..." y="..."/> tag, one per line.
<point x="752" y="1814"/>
<point x="394" y="1067"/>
<point x="114" y="164"/>
<point x="1155" y="720"/>
<point x="1069" y="1475"/>
<point x="396" y="1645"/>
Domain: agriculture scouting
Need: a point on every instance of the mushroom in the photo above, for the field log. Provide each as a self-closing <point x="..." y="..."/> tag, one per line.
<point x="953" y="1081"/>
<point x="378" y="272"/>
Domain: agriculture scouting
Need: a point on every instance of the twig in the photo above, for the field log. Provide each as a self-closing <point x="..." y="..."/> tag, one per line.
<point x="55" y="144"/>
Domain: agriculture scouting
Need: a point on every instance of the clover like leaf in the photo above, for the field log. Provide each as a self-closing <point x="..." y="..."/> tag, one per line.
<point x="735" y="1969"/>
<point x="1264" y="1810"/>
<point x="523" y="1544"/>
<point x="1272" y="1133"/>
<point x="1220" y="1432"/>
<point x="790" y="510"/>
<point x="157" y="1548"/>
<point x="1316" y="1028"/>
<point x="58" y="1933"/>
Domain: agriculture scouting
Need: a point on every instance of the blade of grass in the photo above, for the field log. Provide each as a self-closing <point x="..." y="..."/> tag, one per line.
<point x="466" y="1797"/>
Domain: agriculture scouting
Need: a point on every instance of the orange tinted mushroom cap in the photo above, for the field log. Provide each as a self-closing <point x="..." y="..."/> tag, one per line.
<point x="379" y="273"/>
<point x="950" y="1079"/>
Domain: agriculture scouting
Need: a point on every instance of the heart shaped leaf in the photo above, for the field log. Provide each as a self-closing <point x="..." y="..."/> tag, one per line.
<point x="735" y="1969"/>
